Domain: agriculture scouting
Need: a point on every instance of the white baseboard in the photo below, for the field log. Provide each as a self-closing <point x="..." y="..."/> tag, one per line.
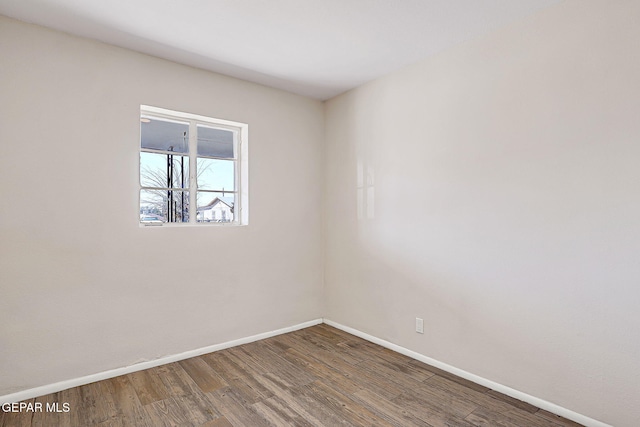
<point x="540" y="403"/>
<point x="75" y="382"/>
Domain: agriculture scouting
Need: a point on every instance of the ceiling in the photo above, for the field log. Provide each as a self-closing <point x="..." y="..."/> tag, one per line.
<point x="316" y="48"/>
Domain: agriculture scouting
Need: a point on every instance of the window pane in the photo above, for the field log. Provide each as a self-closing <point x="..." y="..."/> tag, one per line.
<point x="214" y="142"/>
<point x="151" y="204"/>
<point x="158" y="206"/>
<point x="216" y="206"/>
<point x="164" y="170"/>
<point x="216" y="174"/>
<point x="165" y="135"/>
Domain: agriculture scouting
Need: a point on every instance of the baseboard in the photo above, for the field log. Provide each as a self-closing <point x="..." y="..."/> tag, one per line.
<point x="75" y="382"/>
<point x="540" y="403"/>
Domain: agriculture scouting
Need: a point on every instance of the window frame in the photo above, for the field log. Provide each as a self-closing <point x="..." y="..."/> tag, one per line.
<point x="241" y="169"/>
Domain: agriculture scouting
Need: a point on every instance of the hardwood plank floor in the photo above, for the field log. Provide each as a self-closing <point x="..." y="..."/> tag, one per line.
<point x="318" y="376"/>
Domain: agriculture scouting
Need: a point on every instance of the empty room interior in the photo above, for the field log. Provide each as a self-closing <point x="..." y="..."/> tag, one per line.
<point x="450" y="189"/>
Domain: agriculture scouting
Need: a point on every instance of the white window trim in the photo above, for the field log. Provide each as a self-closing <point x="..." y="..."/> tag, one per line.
<point x="241" y="132"/>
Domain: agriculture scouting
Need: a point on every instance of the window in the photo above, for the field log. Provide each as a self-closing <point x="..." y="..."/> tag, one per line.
<point x="190" y="167"/>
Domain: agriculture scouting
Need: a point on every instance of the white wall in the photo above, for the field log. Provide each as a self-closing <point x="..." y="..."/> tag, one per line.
<point x="83" y="288"/>
<point x="515" y="160"/>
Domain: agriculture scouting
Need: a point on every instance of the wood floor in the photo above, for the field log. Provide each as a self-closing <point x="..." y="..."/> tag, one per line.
<point x="319" y="376"/>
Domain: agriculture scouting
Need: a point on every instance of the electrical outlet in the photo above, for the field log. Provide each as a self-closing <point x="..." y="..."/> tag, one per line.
<point x="419" y="325"/>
